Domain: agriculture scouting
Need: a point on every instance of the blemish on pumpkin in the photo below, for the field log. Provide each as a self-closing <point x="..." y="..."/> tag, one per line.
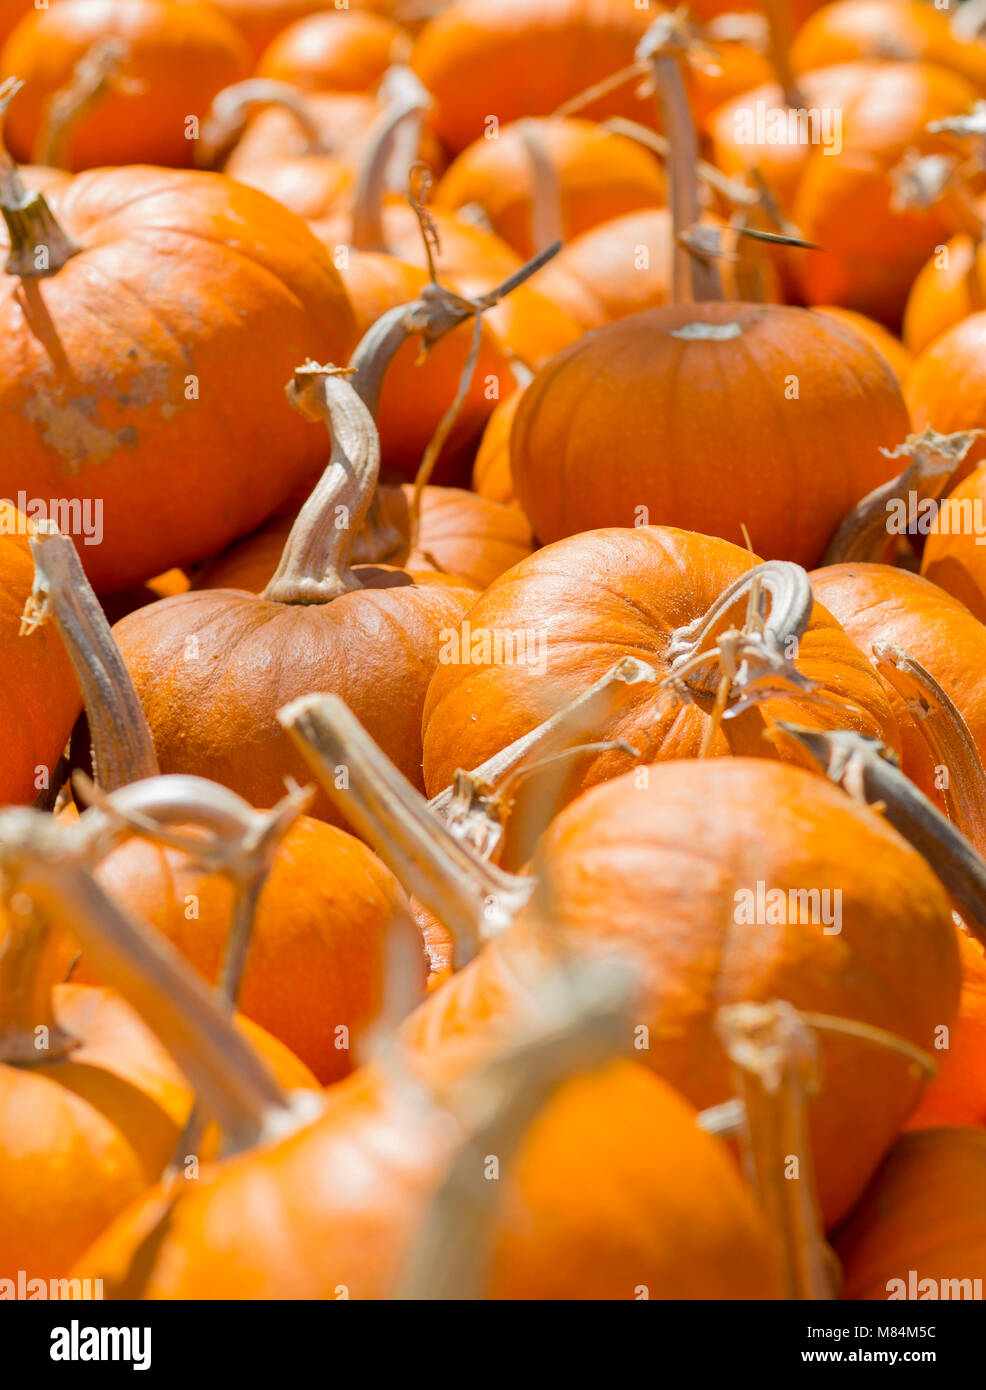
<point x="71" y="431"/>
<point x="712" y="332"/>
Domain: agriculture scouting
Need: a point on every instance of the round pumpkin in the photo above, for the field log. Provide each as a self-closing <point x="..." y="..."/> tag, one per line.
<point x="948" y="288"/>
<point x="957" y="1096"/>
<point x="953" y="556"/>
<point x="260" y="21"/>
<point x="710" y="417"/>
<point x="335" y="51"/>
<point x="164" y="405"/>
<point x="873" y="333"/>
<point x="945" y="385"/>
<point x="923" y="1217"/>
<point x="175" y="58"/>
<point x="889" y="30"/>
<point x="491" y="469"/>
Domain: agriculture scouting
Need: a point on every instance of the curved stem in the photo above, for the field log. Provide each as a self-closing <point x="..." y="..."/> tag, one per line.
<point x="663" y="47"/>
<point x="38" y="245"/>
<point x="775" y="1064"/>
<point x="123" y="750"/>
<point x="932" y="459"/>
<point x="867" y="770"/>
<point x="232" y="107"/>
<point x="393" y="138"/>
<point x="947" y="735"/>
<point x="780" y="29"/>
<point x="731" y="189"/>
<point x="95" y="74"/>
<point x="314" y="565"/>
<point x="583" y="1021"/>
<point x="37" y="853"/>
<point x="473" y="899"/>
<point x="547" y="219"/>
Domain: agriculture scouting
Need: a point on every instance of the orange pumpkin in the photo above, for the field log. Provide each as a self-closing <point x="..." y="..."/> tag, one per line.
<point x="491" y="469"/>
<point x="726" y="383"/>
<point x="953" y="556"/>
<point x="164" y="386"/>
<point x="922" y="1218"/>
<point x="260" y="21"/>
<point x="174" y="58"/>
<point x="39" y="707"/>
<point x="948" y="288"/>
<point x="957" y="1096"/>
<point x="945" y="384"/>
<point x="873" y="333"/>
<point x="892" y="30"/>
<point x="335" y="51"/>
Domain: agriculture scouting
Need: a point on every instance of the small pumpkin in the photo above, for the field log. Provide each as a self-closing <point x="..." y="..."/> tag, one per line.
<point x="891" y="347"/>
<point x="335" y="51"/>
<point x="260" y="21"/>
<point x="957" y="1096"/>
<point x="491" y="468"/>
<point x="945" y="384"/>
<point x="953" y="555"/>
<point x="170" y="62"/>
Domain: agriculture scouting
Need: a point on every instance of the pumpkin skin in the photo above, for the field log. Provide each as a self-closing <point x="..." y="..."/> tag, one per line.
<point x="613" y="1187"/>
<point x="110" y="418"/>
<point x="85" y="1135"/>
<point x="954" y="561"/>
<point x="216" y="716"/>
<point x="624" y="391"/>
<point x="326" y="918"/>
<point x="946" y="290"/>
<point x="335" y="51"/>
<point x="945" y="386"/>
<point x="635" y="586"/>
<point x="653" y="870"/>
<point x="465" y="537"/>
<point x="487" y="57"/>
<point x="260" y="21"/>
<point x="895" y="30"/>
<point x="491" y="469"/>
<point x="957" y="1096"/>
<point x="181" y="55"/>
<point x="39" y="708"/>
<point x="600" y="175"/>
<point x="924" y="1211"/>
<point x="877" y="603"/>
<point x="417" y="393"/>
<point x="874" y="333"/>
<point x="11" y="14"/>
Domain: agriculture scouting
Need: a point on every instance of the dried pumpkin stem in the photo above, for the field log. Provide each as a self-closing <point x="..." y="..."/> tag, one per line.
<point x="472" y="806"/>
<point x="392" y="140"/>
<point x="123" y="750"/>
<point x="780" y="31"/>
<point x="547" y="219"/>
<point x="315" y="563"/>
<point x="865" y="534"/>
<point x="867" y="770"/>
<point x="37" y="853"/>
<point x="947" y="735"/>
<point x="731" y="189"/>
<point x="473" y="899"/>
<point x="232" y="108"/>
<point x="584" y="1021"/>
<point x="664" y="47"/>
<point x="775" y="1064"/>
<point x="38" y="245"/>
<point x="95" y="74"/>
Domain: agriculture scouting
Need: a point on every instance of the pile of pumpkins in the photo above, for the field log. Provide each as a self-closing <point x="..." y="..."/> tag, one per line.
<point x="492" y="648"/>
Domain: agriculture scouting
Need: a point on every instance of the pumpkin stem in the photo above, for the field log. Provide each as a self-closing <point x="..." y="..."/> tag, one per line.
<point x="315" y="563"/>
<point x="38" y="245"/>
<point x="547" y="218"/>
<point x="392" y="144"/>
<point x="582" y="1021"/>
<point x="96" y="73"/>
<point x="663" y="47"/>
<point x="757" y="656"/>
<point x="41" y="857"/>
<point x="780" y="34"/>
<point x="924" y="181"/>
<point x="123" y="750"/>
<point x="231" y="108"/>
<point x="474" y="806"/>
<point x="473" y="899"/>
<point x="733" y="190"/>
<point x="947" y="735"/>
<point x="865" y="535"/>
<point x="775" y="1063"/>
<point x="868" y="771"/>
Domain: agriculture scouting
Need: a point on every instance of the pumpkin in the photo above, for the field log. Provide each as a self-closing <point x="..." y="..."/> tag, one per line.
<point x="173" y="59"/>
<point x="944" y="386"/>
<point x="923" y="1218"/>
<point x="483" y="58"/>
<point x="877" y="603"/>
<point x="491" y="469"/>
<point x="260" y="21"/>
<point x="39" y="707"/>
<point x="894" y="30"/>
<point x="657" y="864"/>
<point x="11" y="13"/>
<point x="958" y="1094"/>
<point x="373" y="634"/>
<point x="741" y="463"/>
<point x="539" y="180"/>
<point x="953" y="555"/>
<point x="577" y="607"/>
<point x="899" y="357"/>
<point x="142" y="405"/>
<point x="468" y="538"/>
<point x="335" y="51"/>
<point x="948" y="288"/>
